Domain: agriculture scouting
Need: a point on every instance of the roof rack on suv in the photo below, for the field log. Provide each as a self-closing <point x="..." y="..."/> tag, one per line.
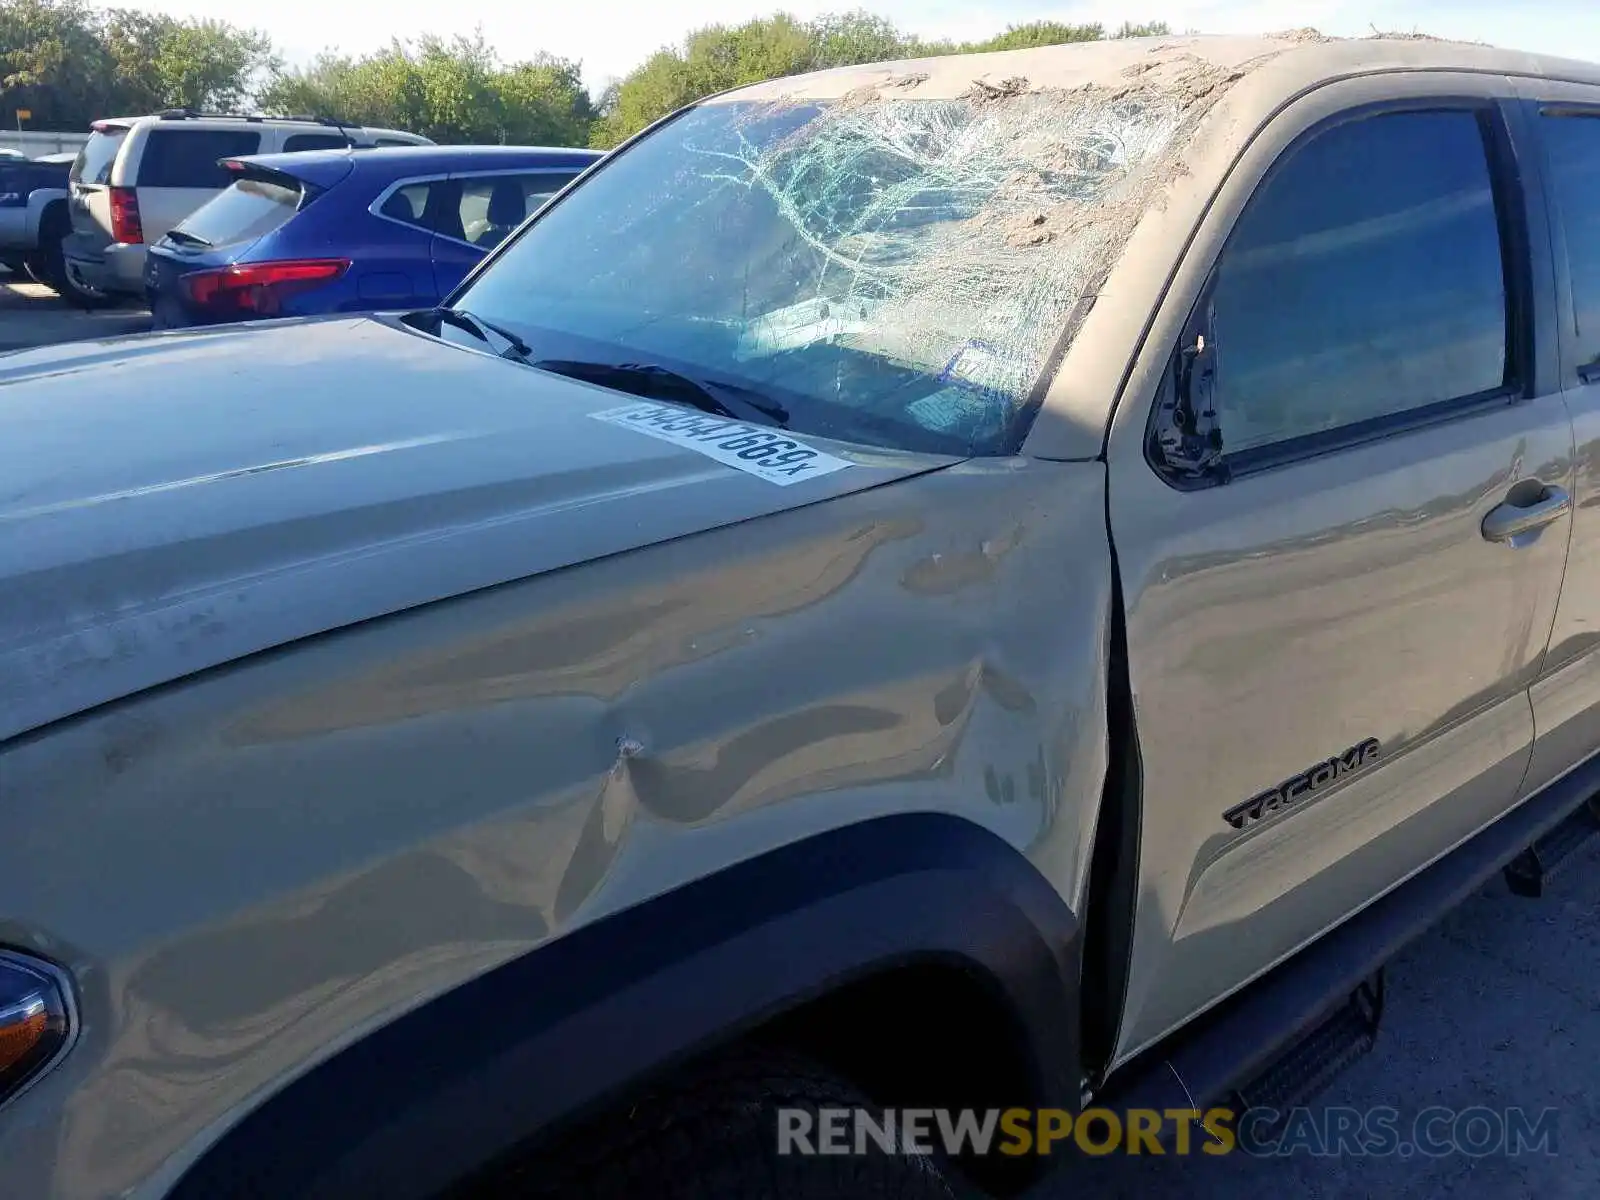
<point x="192" y="114"/>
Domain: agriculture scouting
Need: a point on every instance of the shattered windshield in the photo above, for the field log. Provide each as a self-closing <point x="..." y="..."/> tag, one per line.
<point x="890" y="270"/>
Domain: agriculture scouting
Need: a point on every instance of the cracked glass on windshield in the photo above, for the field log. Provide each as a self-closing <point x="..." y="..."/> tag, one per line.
<point x="892" y="271"/>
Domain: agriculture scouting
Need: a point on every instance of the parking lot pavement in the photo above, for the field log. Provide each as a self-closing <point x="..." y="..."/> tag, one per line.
<point x="1498" y="1008"/>
<point x="32" y="315"/>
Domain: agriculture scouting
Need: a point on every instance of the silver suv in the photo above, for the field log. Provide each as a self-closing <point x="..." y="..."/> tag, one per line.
<point x="1011" y="582"/>
<point x="137" y="177"/>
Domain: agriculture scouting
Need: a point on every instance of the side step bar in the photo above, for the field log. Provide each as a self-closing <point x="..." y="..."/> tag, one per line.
<point x="1244" y="1037"/>
<point x="1527" y="874"/>
<point x="1310" y="1064"/>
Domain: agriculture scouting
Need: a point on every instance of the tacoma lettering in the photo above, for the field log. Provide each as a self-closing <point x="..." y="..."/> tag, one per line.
<point x="1298" y="787"/>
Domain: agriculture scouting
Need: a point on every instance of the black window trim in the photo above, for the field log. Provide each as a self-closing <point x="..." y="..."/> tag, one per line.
<point x="1512" y="217"/>
<point x="1584" y="371"/>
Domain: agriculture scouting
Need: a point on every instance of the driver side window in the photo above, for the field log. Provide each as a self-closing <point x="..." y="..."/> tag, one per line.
<point x="1365" y="279"/>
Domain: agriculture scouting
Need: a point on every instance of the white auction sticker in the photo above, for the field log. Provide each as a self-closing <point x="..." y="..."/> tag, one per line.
<point x="757" y="450"/>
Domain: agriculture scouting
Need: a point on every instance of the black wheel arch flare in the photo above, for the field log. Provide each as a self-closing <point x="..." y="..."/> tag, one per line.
<point x="450" y="1086"/>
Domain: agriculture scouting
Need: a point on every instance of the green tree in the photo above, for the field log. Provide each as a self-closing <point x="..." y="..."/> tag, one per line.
<point x="842" y="39"/>
<point x="1036" y="33"/>
<point x="543" y="102"/>
<point x="450" y="91"/>
<point x="69" y="63"/>
<point x="161" y="62"/>
<point x="1133" y="29"/>
<point x="53" y="62"/>
<point x="718" y="57"/>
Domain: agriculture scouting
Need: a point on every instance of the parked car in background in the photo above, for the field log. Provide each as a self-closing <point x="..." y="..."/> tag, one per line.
<point x="33" y="214"/>
<point x="137" y="177"/>
<point x="346" y="231"/>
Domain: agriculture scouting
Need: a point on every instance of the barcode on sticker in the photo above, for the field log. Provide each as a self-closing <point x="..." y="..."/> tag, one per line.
<point x="769" y="453"/>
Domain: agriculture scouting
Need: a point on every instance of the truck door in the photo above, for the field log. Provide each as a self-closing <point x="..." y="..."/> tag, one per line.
<point x="1341" y="522"/>
<point x="1566" y="699"/>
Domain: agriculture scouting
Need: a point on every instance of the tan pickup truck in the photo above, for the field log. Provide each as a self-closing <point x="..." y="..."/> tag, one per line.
<point x="997" y="582"/>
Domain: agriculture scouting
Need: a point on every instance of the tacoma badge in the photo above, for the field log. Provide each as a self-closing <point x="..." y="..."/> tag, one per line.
<point x="1298" y="787"/>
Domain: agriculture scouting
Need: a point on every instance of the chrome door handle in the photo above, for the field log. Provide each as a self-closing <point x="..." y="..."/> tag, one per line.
<point x="1513" y="523"/>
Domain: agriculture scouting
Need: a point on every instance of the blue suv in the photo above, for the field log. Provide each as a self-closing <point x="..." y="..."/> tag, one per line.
<point x="347" y="230"/>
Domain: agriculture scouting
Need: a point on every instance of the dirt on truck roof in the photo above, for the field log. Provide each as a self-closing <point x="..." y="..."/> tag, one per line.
<point x="1199" y="61"/>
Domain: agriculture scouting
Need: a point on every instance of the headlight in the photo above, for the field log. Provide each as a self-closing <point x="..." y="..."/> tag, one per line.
<point x="37" y="1020"/>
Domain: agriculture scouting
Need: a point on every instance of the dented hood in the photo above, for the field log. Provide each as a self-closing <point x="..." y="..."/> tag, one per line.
<point x="169" y="503"/>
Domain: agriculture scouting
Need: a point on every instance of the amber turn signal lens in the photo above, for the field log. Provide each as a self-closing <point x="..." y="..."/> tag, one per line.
<point x="35" y="1019"/>
<point x="22" y="1029"/>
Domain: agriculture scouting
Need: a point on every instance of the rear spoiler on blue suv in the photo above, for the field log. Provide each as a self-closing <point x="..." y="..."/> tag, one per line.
<point x="312" y="171"/>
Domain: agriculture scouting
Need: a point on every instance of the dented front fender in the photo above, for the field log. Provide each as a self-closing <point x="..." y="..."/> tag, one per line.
<point x="258" y="864"/>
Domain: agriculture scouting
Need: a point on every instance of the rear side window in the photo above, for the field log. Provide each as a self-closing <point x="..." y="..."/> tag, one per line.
<point x="93" y="164"/>
<point x="313" y="141"/>
<point x="187" y="158"/>
<point x="409" y="204"/>
<point x="1364" y="279"/>
<point x="249" y="209"/>
<point x="493" y="205"/>
<point x="539" y="188"/>
<point x="1573" y="144"/>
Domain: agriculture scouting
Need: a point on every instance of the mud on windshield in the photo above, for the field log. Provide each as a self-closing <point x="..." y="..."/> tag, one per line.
<point x="893" y="270"/>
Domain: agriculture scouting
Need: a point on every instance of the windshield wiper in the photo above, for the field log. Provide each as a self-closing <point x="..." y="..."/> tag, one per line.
<point x="656" y="382"/>
<point x="516" y="348"/>
<point x="650" y="380"/>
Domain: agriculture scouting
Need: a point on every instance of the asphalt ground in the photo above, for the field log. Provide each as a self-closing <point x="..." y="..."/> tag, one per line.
<point x="32" y="315"/>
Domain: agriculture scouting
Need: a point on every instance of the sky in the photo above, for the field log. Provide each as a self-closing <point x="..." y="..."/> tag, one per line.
<point x="610" y="37"/>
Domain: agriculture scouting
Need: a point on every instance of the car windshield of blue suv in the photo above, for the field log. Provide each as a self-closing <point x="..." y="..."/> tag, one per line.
<point x="895" y="272"/>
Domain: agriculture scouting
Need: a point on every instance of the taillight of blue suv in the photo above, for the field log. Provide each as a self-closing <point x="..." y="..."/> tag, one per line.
<point x="258" y="289"/>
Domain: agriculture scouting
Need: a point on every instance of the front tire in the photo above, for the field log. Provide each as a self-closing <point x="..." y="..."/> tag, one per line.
<point x="712" y="1134"/>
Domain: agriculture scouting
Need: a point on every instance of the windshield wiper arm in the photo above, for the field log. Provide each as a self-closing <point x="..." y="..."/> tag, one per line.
<point x="656" y="382"/>
<point x="516" y="348"/>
